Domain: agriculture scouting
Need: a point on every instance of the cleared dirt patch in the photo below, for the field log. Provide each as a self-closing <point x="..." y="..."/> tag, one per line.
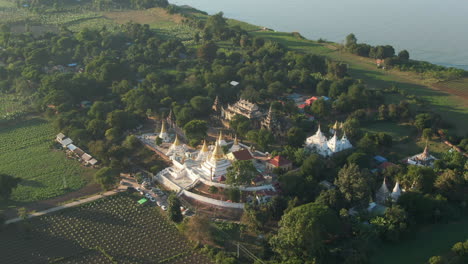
<point x="149" y="16"/>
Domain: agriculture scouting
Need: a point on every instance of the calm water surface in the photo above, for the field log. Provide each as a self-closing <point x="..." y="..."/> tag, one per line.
<point x="431" y="30"/>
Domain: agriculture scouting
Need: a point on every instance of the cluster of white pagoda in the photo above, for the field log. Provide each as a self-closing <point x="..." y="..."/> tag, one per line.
<point x="209" y="163"/>
<point x="383" y="194"/>
<point x="319" y="143"/>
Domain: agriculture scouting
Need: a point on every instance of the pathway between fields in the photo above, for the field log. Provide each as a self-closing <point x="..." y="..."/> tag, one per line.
<point x="75" y="203"/>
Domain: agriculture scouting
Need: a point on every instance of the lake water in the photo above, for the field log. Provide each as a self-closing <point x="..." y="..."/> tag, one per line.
<point x="431" y="30"/>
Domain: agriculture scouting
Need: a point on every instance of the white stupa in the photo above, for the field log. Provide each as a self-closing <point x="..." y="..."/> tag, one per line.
<point x="396" y="193"/>
<point x="204" y="152"/>
<point x="383" y="193"/>
<point x="221" y="141"/>
<point x="327" y="147"/>
<point x="216" y="165"/>
<point x="177" y="149"/>
<point x="235" y="146"/>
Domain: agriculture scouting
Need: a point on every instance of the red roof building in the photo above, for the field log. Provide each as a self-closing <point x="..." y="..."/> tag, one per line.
<point x="385" y="165"/>
<point x="279" y="162"/>
<point x="311" y="100"/>
<point x="243" y="154"/>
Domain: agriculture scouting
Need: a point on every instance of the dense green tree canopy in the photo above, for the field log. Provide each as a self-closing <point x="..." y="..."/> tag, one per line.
<point x="304" y="231"/>
<point x="7" y="184"/>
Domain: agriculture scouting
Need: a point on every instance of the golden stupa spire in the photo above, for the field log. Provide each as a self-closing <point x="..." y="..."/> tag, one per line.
<point x="217" y="152"/>
<point x="220" y="138"/>
<point x="163" y="128"/>
<point x="204" y="147"/>
<point x="176" y="141"/>
<point x="236" y="142"/>
<point x="336" y="126"/>
<point x="426" y="151"/>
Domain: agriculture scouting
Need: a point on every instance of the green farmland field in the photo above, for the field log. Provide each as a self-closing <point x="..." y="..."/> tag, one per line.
<point x="114" y="229"/>
<point x="431" y="241"/>
<point x="25" y="152"/>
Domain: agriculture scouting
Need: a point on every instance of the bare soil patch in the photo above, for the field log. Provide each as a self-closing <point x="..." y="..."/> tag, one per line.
<point x="150" y="16"/>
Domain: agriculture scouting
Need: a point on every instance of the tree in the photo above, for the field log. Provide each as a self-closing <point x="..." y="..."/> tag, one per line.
<point x="234" y="194"/>
<point x="303" y="231"/>
<point x="263" y="137"/>
<point x="106" y="177"/>
<point x="419" y="178"/>
<point x="254" y="218"/>
<point x="331" y="198"/>
<point x="174" y="208"/>
<point x="313" y="168"/>
<point x="383" y="112"/>
<point x="392" y="224"/>
<point x="201" y="104"/>
<point x="196" y="129"/>
<point x="403" y="55"/>
<point x="351" y="40"/>
<point x="207" y="51"/>
<point x="423" y="121"/>
<point x="321" y="108"/>
<point x="296" y="136"/>
<point x="7" y="184"/>
<point x="359" y="158"/>
<point x="240" y="124"/>
<point x="323" y="87"/>
<point x="199" y="229"/>
<point x="368" y="144"/>
<point x="242" y="172"/>
<point x="452" y="185"/>
<point x="354" y="185"/>
<point x="427" y="133"/>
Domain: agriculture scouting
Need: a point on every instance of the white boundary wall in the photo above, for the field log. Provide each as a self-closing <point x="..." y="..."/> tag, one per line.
<point x="227" y="186"/>
<point x="212" y="201"/>
<point x="168" y="183"/>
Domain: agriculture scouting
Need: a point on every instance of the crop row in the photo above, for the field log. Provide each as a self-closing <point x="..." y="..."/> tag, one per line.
<point x="119" y="227"/>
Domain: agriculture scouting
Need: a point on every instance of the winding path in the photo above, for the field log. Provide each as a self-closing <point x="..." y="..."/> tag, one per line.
<point x="68" y="205"/>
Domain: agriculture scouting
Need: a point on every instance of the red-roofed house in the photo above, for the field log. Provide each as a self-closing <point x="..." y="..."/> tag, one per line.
<point x="385" y="165"/>
<point x="279" y="162"/>
<point x="311" y="100"/>
<point x="243" y="154"/>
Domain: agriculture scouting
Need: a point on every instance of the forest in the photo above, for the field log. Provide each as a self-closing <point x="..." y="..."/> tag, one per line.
<point x="129" y="75"/>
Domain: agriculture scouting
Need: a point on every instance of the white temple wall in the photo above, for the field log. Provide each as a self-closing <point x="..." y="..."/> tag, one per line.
<point x="242" y="188"/>
<point x="212" y="201"/>
<point x="167" y="183"/>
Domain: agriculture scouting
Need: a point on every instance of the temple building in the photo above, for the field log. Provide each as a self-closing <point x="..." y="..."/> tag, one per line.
<point x="423" y="159"/>
<point x="242" y="107"/>
<point x="327" y="147"/>
<point x="273" y="124"/>
<point x="216" y="165"/>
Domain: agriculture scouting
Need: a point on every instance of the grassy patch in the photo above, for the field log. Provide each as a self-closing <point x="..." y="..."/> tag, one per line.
<point x="397" y="131"/>
<point x="25" y="152"/>
<point x="430" y="241"/>
<point x="244" y="25"/>
<point x="114" y="229"/>
<point x="294" y="43"/>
